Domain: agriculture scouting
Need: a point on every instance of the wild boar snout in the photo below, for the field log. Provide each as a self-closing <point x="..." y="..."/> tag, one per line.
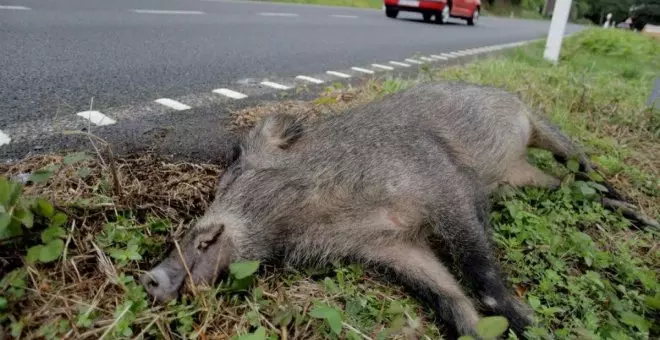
<point x="206" y="254"/>
<point x="159" y="284"/>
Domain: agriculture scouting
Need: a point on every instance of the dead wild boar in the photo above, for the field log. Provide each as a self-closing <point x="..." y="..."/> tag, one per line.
<point x="486" y="128"/>
<point x="384" y="193"/>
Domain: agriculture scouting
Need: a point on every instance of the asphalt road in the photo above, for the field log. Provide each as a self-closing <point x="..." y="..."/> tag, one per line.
<point x="56" y="56"/>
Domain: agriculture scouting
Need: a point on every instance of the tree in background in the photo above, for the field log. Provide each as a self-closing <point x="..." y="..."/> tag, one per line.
<point x="643" y="11"/>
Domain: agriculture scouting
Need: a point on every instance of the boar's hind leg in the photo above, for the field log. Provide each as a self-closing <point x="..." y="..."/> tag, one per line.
<point x="524" y="174"/>
<point x="417" y="268"/>
<point x="464" y="231"/>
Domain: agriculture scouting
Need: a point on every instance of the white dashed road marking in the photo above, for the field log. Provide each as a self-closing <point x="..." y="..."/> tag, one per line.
<point x="229" y="93"/>
<point x="275" y="85"/>
<point x="338" y="74"/>
<point x="4" y="139"/>
<point x="344" y="16"/>
<point x="399" y="64"/>
<point x="310" y="79"/>
<point x="363" y="70"/>
<point x="172" y="104"/>
<point x="31" y="129"/>
<point x="17" y="8"/>
<point x="438" y="57"/>
<point x="383" y="67"/>
<point x="96" y="117"/>
<point x="157" y="11"/>
<point x="273" y="14"/>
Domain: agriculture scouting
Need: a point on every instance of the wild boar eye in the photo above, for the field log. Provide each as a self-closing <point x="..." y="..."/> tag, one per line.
<point x="206" y="240"/>
<point x="203" y="245"/>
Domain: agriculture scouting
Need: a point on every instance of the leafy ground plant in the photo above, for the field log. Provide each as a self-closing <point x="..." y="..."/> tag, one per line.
<point x="585" y="271"/>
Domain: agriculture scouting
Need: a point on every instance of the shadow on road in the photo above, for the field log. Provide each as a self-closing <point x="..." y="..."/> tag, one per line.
<point x="421" y="21"/>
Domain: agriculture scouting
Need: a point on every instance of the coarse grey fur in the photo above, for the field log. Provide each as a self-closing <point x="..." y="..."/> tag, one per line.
<point x="487" y="129"/>
<point x="362" y="188"/>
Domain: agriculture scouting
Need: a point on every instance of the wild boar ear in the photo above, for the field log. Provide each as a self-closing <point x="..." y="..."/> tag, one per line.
<point x="230" y="150"/>
<point x="281" y="130"/>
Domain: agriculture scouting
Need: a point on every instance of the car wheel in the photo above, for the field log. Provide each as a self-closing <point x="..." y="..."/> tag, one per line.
<point x="475" y="17"/>
<point x="443" y="17"/>
<point x="427" y="16"/>
<point x="391" y="12"/>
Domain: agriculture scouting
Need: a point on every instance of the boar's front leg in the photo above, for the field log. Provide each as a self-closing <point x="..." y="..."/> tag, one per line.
<point x="416" y="268"/>
<point x="464" y="230"/>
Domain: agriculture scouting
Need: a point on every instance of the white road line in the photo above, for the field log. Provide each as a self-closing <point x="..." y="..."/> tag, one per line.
<point x="448" y="55"/>
<point x="229" y="93"/>
<point x="438" y="57"/>
<point x="363" y="70"/>
<point x="414" y="61"/>
<point x="342" y="16"/>
<point x="274" y="14"/>
<point x="310" y="79"/>
<point x="338" y="74"/>
<point x="157" y="11"/>
<point x="4" y="139"/>
<point x="173" y="104"/>
<point x="384" y="67"/>
<point x="96" y="117"/>
<point x="399" y="64"/>
<point x="426" y="59"/>
<point x="17" y="8"/>
<point x="275" y="85"/>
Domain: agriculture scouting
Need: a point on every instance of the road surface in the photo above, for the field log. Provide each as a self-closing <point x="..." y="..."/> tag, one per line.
<point x="59" y="58"/>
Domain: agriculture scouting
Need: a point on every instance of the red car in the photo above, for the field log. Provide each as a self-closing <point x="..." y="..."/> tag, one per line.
<point x="441" y="10"/>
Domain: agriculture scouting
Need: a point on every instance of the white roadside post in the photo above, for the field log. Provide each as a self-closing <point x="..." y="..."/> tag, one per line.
<point x="557" y="29"/>
<point x="607" y="22"/>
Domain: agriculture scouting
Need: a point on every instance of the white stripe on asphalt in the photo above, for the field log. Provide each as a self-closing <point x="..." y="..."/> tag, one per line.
<point x="18" y="8"/>
<point x="414" y="61"/>
<point x="438" y="57"/>
<point x="448" y="55"/>
<point x="310" y="79"/>
<point x="96" y="117"/>
<point x="4" y="139"/>
<point x="275" y="85"/>
<point x="384" y="67"/>
<point x="363" y="70"/>
<point x="173" y="104"/>
<point x="338" y="74"/>
<point x="157" y="11"/>
<point x="399" y="64"/>
<point x="426" y="59"/>
<point x="273" y="14"/>
<point x="344" y="16"/>
<point x="229" y="93"/>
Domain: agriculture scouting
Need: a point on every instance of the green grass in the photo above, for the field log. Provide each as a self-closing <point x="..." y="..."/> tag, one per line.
<point x="585" y="272"/>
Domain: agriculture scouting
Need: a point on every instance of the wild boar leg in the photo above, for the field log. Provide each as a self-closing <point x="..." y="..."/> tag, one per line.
<point x="524" y="174"/>
<point x="465" y="233"/>
<point x="417" y="268"/>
